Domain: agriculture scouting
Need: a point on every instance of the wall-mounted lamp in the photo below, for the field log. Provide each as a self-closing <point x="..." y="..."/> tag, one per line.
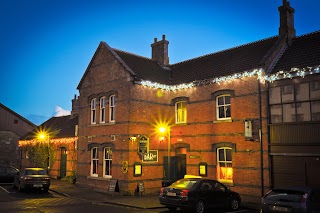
<point x="248" y="129"/>
<point x="133" y="138"/>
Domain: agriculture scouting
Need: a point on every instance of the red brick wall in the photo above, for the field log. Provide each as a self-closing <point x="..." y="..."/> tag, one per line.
<point x="138" y="108"/>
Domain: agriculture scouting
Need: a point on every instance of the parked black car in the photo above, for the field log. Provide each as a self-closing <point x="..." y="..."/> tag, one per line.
<point x="7" y="174"/>
<point x="198" y="194"/>
<point x="32" y="178"/>
<point x="301" y="199"/>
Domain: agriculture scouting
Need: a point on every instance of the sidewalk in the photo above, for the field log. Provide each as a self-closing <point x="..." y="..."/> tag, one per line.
<point x="150" y="201"/>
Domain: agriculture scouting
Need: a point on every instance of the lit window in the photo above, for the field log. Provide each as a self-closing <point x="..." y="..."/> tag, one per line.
<point x="224" y="165"/>
<point x="93" y="111"/>
<point x="223" y="107"/>
<point x="107" y="162"/>
<point x="103" y="110"/>
<point x="112" y="108"/>
<point x="94" y="162"/>
<point x="181" y="112"/>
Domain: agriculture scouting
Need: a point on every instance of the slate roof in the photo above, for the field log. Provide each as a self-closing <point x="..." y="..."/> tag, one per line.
<point x="304" y="51"/>
<point x="64" y="126"/>
<point x="235" y="60"/>
<point x="145" y="68"/>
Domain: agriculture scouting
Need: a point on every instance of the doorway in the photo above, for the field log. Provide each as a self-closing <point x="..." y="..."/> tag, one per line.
<point x="63" y="162"/>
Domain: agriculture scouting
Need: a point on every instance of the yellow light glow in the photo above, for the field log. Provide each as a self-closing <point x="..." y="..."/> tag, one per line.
<point x="162" y="129"/>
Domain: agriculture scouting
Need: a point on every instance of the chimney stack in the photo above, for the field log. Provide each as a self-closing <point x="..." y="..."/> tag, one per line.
<point x="160" y="51"/>
<point x="286" y="21"/>
<point x="75" y="106"/>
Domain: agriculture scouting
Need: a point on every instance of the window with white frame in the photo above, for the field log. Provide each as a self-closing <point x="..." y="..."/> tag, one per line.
<point x="112" y="108"/>
<point x="94" y="162"/>
<point x="102" y="109"/>
<point x="181" y="112"/>
<point x="223" y="107"/>
<point x="224" y="165"/>
<point x="107" y="162"/>
<point x="93" y="111"/>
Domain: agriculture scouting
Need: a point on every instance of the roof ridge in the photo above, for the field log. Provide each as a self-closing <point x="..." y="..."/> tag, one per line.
<point x="17" y="114"/>
<point x="130" y="53"/>
<point x="225" y="50"/>
<point x="307" y="34"/>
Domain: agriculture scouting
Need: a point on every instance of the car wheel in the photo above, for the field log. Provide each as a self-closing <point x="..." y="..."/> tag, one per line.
<point x="200" y="206"/>
<point x="172" y="208"/>
<point x="45" y="189"/>
<point x="234" y="204"/>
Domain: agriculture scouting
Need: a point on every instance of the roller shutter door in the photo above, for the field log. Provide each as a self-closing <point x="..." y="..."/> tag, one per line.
<point x="294" y="170"/>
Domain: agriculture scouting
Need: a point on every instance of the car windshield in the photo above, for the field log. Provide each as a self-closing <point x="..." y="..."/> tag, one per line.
<point x="184" y="184"/>
<point x="35" y="172"/>
<point x="286" y="195"/>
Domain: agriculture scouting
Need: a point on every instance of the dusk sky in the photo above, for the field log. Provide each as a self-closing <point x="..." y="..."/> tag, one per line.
<point x="46" y="45"/>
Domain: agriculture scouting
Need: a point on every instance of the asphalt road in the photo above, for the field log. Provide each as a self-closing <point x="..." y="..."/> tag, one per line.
<point x="12" y="201"/>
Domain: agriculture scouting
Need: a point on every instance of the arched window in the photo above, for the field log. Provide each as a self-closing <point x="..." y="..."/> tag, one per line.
<point x="181" y="112"/>
<point x="102" y="109"/>
<point x="93" y="111"/>
<point x="223" y="107"/>
<point x="107" y="162"/>
<point x="224" y="165"/>
<point x="94" y="162"/>
<point x="112" y="100"/>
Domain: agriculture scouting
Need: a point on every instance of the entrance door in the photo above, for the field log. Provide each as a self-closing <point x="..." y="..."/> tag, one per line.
<point x="63" y="162"/>
<point x="177" y="167"/>
<point x="180" y="166"/>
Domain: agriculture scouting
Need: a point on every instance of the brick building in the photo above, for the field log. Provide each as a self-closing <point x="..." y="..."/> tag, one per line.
<point x="53" y="145"/>
<point x="213" y="111"/>
<point x="12" y="127"/>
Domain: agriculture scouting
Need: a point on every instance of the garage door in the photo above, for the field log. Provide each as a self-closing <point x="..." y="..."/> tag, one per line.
<point x="294" y="170"/>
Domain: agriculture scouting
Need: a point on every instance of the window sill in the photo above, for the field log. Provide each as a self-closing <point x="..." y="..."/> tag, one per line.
<point x="223" y="121"/>
<point x="180" y="124"/>
<point x="103" y="124"/>
<point x="227" y="183"/>
<point x="99" y="178"/>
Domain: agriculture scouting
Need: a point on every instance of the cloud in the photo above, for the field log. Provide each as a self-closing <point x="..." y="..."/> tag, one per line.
<point x="61" y="112"/>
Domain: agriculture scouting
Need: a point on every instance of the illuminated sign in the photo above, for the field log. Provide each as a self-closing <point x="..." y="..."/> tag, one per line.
<point x="150" y="157"/>
<point x="143" y="145"/>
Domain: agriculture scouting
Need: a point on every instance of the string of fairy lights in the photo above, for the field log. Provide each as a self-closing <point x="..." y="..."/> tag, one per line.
<point x="53" y="140"/>
<point x="293" y="72"/>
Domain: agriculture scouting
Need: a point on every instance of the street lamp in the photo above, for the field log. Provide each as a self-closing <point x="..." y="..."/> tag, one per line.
<point x="43" y="136"/>
<point x="163" y="130"/>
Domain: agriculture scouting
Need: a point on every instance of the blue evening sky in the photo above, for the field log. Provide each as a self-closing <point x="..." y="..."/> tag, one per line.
<point x="46" y="45"/>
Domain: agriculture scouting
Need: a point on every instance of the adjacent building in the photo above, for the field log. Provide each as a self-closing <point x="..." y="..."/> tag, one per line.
<point x="53" y="145"/>
<point x="12" y="127"/>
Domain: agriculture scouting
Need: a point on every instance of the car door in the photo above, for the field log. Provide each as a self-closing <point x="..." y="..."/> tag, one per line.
<point x="207" y="193"/>
<point x="219" y="193"/>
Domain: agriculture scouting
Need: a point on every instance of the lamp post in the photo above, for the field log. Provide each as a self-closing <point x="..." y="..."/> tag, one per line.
<point x="43" y="136"/>
<point x="164" y="130"/>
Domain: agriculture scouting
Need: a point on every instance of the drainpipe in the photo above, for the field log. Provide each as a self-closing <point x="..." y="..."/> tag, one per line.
<point x="260" y="138"/>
